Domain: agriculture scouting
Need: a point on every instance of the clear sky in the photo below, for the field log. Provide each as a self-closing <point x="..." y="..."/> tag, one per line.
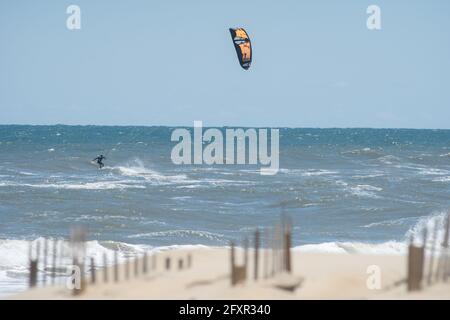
<point x="167" y="62"/>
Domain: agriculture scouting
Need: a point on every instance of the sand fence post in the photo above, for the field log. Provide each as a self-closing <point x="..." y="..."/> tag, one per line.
<point x="266" y="253"/>
<point x="105" y="268"/>
<point x="434" y="237"/>
<point x="127" y="268"/>
<point x="256" y="264"/>
<point x="61" y="256"/>
<point x="232" y="260"/>
<point x="416" y="264"/>
<point x="272" y="240"/>
<point x="167" y="263"/>
<point x="116" y="267"/>
<point x="44" y="267"/>
<point x="278" y="247"/>
<point x="245" y="258"/>
<point x="446" y="253"/>
<point x="55" y="246"/>
<point x="423" y="256"/>
<point x="154" y="261"/>
<point x="33" y="267"/>
<point x="144" y="263"/>
<point x="33" y="273"/>
<point x="287" y="247"/>
<point x="38" y="255"/>
<point x="136" y="266"/>
<point x="180" y="264"/>
<point x="411" y="275"/>
<point x="442" y="268"/>
<point x="93" y="276"/>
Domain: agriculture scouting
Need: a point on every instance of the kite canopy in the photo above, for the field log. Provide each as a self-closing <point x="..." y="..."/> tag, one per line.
<point x="243" y="46"/>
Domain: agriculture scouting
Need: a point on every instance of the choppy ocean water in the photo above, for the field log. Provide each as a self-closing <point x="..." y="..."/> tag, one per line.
<point x="347" y="190"/>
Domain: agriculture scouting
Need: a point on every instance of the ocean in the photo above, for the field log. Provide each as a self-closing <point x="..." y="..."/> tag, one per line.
<point x="346" y="190"/>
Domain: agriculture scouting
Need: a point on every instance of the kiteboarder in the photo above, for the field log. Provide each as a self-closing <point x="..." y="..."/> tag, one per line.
<point x="99" y="161"/>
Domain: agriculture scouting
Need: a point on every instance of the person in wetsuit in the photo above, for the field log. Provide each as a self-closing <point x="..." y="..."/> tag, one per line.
<point x="99" y="161"/>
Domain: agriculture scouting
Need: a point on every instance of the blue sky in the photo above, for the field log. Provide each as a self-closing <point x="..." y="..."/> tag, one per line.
<point x="172" y="62"/>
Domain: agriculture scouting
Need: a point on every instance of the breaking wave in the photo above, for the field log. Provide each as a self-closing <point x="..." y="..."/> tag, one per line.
<point x="182" y="234"/>
<point x="390" y="247"/>
<point x="365" y="190"/>
<point x="99" y="185"/>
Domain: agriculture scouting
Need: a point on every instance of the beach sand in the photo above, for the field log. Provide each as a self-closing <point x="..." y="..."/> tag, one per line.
<point x="313" y="276"/>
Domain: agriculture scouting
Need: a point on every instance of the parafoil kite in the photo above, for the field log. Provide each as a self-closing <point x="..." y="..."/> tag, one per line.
<point x="243" y="46"/>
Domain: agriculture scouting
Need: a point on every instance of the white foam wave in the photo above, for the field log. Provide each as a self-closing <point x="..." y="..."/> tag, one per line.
<point x="390" y="247"/>
<point x="434" y="222"/>
<point x="207" y="183"/>
<point x="15" y="253"/>
<point x="137" y="170"/>
<point x="433" y="172"/>
<point x="368" y="176"/>
<point x="99" y="185"/>
<point x="362" y="151"/>
<point x="308" y="172"/>
<point x="25" y="173"/>
<point x="365" y="190"/>
<point x="390" y="223"/>
<point x="389" y="159"/>
<point x="442" y="179"/>
<point x="180" y="233"/>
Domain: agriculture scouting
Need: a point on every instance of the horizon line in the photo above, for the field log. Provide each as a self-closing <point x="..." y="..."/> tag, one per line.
<point x="220" y="126"/>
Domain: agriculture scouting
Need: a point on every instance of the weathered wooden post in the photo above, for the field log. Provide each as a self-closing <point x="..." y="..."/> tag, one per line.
<point x="55" y="245"/>
<point x="168" y="263"/>
<point x="411" y="274"/>
<point x="93" y="279"/>
<point x="33" y="273"/>
<point x="136" y="266"/>
<point x="180" y="264"/>
<point x="256" y="263"/>
<point x="232" y="260"/>
<point x="154" y="261"/>
<point x="127" y="268"/>
<point x="45" y="262"/>
<point x="278" y="247"/>
<point x="445" y="250"/>
<point x="415" y="265"/>
<point x="415" y="270"/>
<point x="266" y="253"/>
<point x="272" y="240"/>
<point x="246" y="256"/>
<point x="38" y="255"/>
<point x="60" y="257"/>
<point x="434" y="238"/>
<point x="33" y="267"/>
<point x="287" y="248"/>
<point x="105" y="268"/>
<point x="442" y="273"/>
<point x="116" y="267"/>
<point x="144" y="264"/>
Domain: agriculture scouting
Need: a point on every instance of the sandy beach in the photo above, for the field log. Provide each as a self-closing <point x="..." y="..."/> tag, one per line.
<point x="314" y="276"/>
